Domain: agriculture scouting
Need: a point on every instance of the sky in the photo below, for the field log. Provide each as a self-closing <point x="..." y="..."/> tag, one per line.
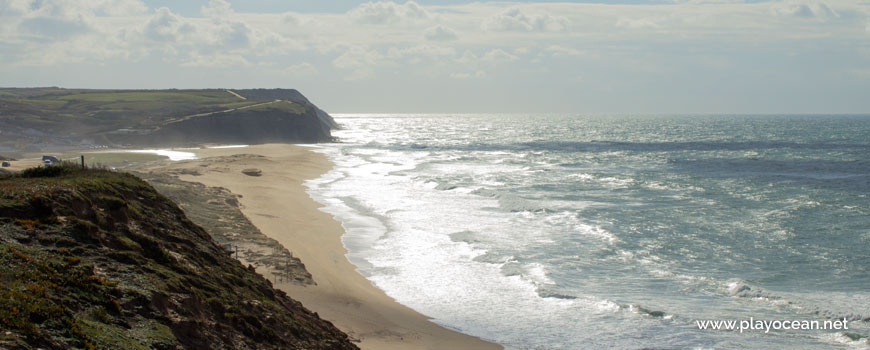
<point x="453" y="56"/>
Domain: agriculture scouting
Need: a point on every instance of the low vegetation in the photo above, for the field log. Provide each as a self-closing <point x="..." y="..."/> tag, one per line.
<point x="55" y="110"/>
<point x="96" y="259"/>
<point x="55" y="118"/>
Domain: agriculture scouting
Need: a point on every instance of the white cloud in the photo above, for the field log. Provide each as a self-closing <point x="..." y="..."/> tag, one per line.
<point x="120" y="7"/>
<point x="53" y="20"/>
<point x="560" y="51"/>
<point x="217" y="60"/>
<point x="54" y="28"/>
<point x="467" y="57"/>
<point x="357" y="58"/>
<point x="293" y="19"/>
<point x="300" y="70"/>
<point x="513" y="19"/>
<point x="10" y="8"/>
<point x="387" y="12"/>
<point x="235" y="34"/>
<point x="636" y="23"/>
<point x="477" y="74"/>
<point x="217" y="9"/>
<point x="165" y="26"/>
<point x="361" y="62"/>
<point x="806" y="9"/>
<point x="498" y="55"/>
<point x="421" y="51"/>
<point x="440" y="33"/>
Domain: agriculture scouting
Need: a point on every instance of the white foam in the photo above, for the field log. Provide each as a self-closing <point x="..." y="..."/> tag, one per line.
<point x="228" y="146"/>
<point x="398" y="233"/>
<point x="173" y="155"/>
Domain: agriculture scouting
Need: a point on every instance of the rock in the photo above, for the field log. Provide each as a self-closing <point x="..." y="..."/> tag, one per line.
<point x="252" y="172"/>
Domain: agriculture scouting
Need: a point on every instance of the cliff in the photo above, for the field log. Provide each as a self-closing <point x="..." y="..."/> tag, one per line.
<point x="38" y="118"/>
<point x="276" y="122"/>
<point x="95" y="259"/>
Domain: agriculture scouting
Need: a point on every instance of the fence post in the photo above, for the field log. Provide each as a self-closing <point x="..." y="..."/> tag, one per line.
<point x="83" y="161"/>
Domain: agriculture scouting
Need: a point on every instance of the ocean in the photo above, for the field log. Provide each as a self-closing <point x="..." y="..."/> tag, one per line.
<point x="598" y="231"/>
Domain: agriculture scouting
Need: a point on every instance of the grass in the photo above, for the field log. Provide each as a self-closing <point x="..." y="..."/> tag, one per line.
<point x="89" y="111"/>
<point x="287" y="106"/>
<point x="97" y="259"/>
<point x="40" y="118"/>
<point x="39" y="288"/>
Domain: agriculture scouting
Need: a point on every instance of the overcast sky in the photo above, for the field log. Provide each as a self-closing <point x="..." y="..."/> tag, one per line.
<point x="629" y="56"/>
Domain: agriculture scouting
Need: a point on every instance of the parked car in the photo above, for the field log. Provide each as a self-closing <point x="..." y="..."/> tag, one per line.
<point x="52" y="159"/>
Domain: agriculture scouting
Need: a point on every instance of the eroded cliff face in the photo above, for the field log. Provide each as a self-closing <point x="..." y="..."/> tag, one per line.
<point x="98" y="259"/>
<point x="267" y="124"/>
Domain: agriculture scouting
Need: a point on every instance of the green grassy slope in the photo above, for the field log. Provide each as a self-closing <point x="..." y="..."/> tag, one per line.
<point x="89" y="111"/>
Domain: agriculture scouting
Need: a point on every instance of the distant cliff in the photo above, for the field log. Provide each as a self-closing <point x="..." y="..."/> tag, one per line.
<point x="290" y="95"/>
<point x="272" y="122"/>
<point x="95" y="259"/>
<point x="36" y="118"/>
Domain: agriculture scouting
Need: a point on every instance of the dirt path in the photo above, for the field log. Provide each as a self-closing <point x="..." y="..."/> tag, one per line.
<point x="180" y="119"/>
<point x="237" y="95"/>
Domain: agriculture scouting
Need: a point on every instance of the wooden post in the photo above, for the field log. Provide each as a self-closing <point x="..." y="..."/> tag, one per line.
<point x="83" y="161"/>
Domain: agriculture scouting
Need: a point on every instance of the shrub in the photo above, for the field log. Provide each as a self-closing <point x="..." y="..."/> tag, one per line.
<point x="53" y="170"/>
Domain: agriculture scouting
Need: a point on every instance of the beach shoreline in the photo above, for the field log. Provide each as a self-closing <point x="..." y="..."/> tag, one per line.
<point x="277" y="203"/>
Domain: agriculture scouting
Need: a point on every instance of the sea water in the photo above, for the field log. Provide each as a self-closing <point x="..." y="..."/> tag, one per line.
<point x="580" y="231"/>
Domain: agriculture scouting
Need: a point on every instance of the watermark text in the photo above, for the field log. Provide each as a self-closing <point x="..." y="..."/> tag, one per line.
<point x="766" y="325"/>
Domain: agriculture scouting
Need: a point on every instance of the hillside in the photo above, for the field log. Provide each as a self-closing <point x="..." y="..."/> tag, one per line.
<point x="98" y="259"/>
<point x="35" y="118"/>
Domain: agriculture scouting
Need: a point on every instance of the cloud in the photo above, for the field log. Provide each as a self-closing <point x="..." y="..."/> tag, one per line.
<point x="55" y="20"/>
<point x="477" y="74"/>
<point x="498" y="55"/>
<point x="292" y="19"/>
<point x="806" y="9"/>
<point x="561" y="51"/>
<point x="218" y="60"/>
<point x="356" y="58"/>
<point x="636" y="23"/>
<point x="467" y="57"/>
<point x="217" y="9"/>
<point x="300" y="70"/>
<point x="11" y="8"/>
<point x="513" y="19"/>
<point x="421" y="51"/>
<point x="236" y="35"/>
<point x="51" y="20"/>
<point x="119" y="7"/>
<point x="190" y="41"/>
<point x="54" y="28"/>
<point x="386" y="12"/>
<point x="440" y="33"/>
<point x="361" y="62"/>
<point x="165" y="26"/>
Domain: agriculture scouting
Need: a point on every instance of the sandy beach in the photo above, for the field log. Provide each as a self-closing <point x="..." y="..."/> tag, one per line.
<point x="277" y="204"/>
